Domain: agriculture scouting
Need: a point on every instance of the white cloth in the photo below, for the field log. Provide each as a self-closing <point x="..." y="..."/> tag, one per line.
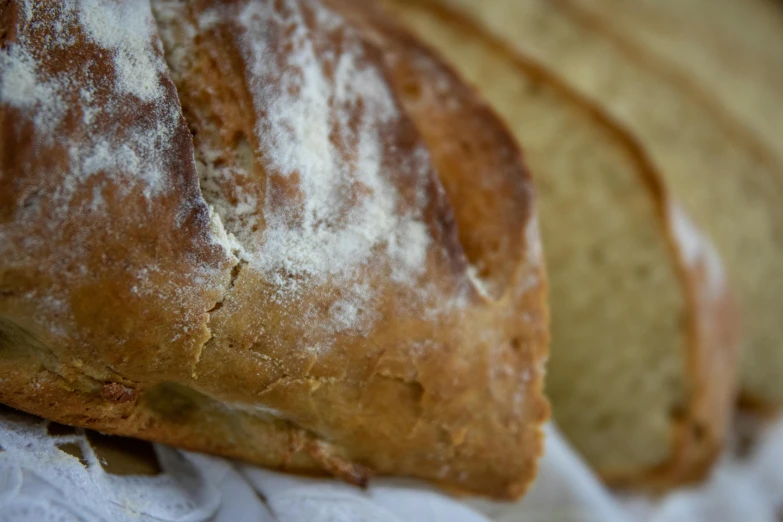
<point x="41" y="483"/>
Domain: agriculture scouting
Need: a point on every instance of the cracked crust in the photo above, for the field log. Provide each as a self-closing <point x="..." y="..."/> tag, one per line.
<point x="153" y="307"/>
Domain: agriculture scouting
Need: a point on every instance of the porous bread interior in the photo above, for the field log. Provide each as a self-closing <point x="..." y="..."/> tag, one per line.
<point x="617" y="358"/>
<point x="728" y="183"/>
<point x="749" y="227"/>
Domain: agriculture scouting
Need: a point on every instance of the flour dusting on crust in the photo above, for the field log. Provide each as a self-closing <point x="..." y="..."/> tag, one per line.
<point x="347" y="208"/>
<point x="125" y="31"/>
<point x="85" y="97"/>
<point x="315" y="197"/>
<point x="697" y="250"/>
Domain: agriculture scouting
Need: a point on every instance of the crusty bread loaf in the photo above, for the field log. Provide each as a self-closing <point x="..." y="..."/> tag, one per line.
<point x="731" y="47"/>
<point x="230" y="227"/>
<point x="727" y="181"/>
<point x="641" y="370"/>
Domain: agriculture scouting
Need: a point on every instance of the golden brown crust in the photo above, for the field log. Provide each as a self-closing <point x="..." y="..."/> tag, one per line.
<point x="78" y="271"/>
<point x="480" y="147"/>
<point x="468" y="142"/>
<point x="190" y="326"/>
<point x="699" y="431"/>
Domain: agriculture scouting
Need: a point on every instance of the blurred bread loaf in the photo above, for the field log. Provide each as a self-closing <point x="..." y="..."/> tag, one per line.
<point x="230" y="227"/>
<point x="727" y="180"/>
<point x="641" y="369"/>
<point x="731" y="48"/>
<point x="732" y="51"/>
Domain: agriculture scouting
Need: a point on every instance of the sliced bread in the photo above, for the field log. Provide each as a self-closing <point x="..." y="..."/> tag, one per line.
<point x="728" y="182"/>
<point x="732" y="47"/>
<point x="641" y="363"/>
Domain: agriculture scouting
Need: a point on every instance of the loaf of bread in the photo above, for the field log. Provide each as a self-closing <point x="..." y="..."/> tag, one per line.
<point x="273" y="230"/>
<point x="728" y="181"/>
<point x="641" y="370"/>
